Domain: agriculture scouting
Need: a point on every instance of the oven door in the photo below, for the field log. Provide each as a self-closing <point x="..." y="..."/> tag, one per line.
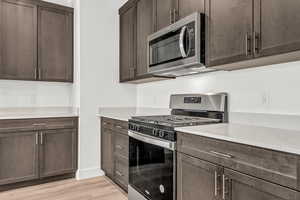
<point x="151" y="167"/>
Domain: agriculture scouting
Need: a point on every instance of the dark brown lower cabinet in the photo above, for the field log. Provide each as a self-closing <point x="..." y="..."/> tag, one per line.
<point x="107" y="152"/>
<point x="196" y="179"/>
<point x="114" y="151"/>
<point x="34" y="150"/>
<point x="18" y="157"/>
<point x="58" y="152"/>
<point x="239" y="186"/>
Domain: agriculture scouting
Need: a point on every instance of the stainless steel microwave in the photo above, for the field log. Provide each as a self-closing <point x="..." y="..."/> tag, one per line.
<point x="178" y="49"/>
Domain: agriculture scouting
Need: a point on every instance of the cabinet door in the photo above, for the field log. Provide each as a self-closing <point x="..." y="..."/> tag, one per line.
<point x="164" y="10"/>
<point x="277" y="26"/>
<point x="107" y="152"/>
<point x="127" y="44"/>
<point x="229" y="30"/>
<point x="187" y="7"/>
<point x="196" y="179"/>
<point x="58" y="152"/>
<point x="18" y="40"/>
<point x="55" y="45"/>
<point x="18" y="157"/>
<point x="240" y="186"/>
<point x="145" y="26"/>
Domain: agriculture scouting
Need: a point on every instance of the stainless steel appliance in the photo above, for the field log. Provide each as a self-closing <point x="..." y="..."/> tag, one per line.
<point x="178" y="49"/>
<point x="152" y="143"/>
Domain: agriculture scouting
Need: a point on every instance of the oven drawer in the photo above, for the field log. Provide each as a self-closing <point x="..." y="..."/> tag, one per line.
<point x="121" y="145"/>
<point x="121" y="172"/>
<point x="273" y="166"/>
<point x="37" y="124"/>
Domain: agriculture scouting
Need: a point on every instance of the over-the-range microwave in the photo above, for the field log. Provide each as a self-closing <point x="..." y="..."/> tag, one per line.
<point x="178" y="49"/>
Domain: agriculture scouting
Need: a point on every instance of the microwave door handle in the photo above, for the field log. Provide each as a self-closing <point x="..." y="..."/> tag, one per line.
<point x="181" y="43"/>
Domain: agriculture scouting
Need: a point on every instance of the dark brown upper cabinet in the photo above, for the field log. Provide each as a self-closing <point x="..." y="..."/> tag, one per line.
<point x="18" y="40"/>
<point x="128" y="44"/>
<point x="276" y="27"/>
<point x="165" y="13"/>
<point x="58" y="152"/>
<point x="187" y="7"/>
<point x="18" y="157"/>
<point x="229" y="31"/>
<point x="55" y="42"/>
<point x="145" y="27"/>
<point x="36" y="41"/>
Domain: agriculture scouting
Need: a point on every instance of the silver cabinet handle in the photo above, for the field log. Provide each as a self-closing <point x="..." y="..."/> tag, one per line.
<point x="174" y="15"/>
<point x="216" y="183"/>
<point x="256" y="42"/>
<point x="42" y="138"/>
<point x="248" y="42"/>
<point x="39" y="124"/>
<point x="119" y="127"/>
<point x="119" y="147"/>
<point x="224" y="193"/>
<point x="119" y="173"/>
<point x="171" y="17"/>
<point x="222" y="154"/>
<point x="36" y="138"/>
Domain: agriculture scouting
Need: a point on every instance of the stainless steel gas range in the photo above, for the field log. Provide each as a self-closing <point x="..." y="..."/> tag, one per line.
<point x="152" y="143"/>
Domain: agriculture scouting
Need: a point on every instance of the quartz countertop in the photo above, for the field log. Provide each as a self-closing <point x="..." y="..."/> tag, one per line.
<point x="37" y="112"/>
<point x="125" y="113"/>
<point x="269" y="138"/>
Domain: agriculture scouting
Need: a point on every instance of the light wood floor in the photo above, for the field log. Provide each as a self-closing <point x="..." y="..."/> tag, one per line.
<point x="71" y="189"/>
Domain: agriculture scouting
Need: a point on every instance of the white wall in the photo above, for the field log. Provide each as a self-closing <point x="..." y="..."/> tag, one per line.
<point x="270" y="89"/>
<point x="99" y="75"/>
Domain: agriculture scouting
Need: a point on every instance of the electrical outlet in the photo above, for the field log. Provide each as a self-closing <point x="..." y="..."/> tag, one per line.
<point x="265" y="99"/>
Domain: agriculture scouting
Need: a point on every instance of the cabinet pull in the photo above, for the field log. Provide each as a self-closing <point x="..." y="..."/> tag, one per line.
<point x="248" y="41"/>
<point x="171" y="17"/>
<point x="39" y="124"/>
<point x="119" y="147"/>
<point x="119" y="127"/>
<point x="36" y="138"/>
<point x="174" y="15"/>
<point x="39" y="74"/>
<point x="42" y="138"/>
<point x="256" y="42"/>
<point x="216" y="183"/>
<point x="222" y="154"/>
<point x="225" y="192"/>
<point x="119" y="173"/>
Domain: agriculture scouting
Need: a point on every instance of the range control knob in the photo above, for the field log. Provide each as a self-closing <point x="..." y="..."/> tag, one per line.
<point x="155" y="132"/>
<point x="161" y="134"/>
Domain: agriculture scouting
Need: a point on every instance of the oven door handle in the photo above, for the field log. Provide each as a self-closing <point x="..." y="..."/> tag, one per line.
<point x="152" y="140"/>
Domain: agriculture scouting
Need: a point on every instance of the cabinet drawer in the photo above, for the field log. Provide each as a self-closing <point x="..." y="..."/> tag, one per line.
<point x="106" y="123"/>
<point x="120" y="126"/>
<point x="37" y="124"/>
<point x="121" y="145"/>
<point x="121" y="172"/>
<point x="277" y="167"/>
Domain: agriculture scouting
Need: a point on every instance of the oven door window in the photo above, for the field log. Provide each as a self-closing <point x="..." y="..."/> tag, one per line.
<point x="151" y="170"/>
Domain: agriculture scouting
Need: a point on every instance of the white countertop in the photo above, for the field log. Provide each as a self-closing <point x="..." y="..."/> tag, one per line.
<point x="37" y="112"/>
<point x="125" y="113"/>
<point x="269" y="138"/>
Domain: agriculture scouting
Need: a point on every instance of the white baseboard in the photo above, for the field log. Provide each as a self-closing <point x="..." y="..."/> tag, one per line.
<point x="89" y="173"/>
